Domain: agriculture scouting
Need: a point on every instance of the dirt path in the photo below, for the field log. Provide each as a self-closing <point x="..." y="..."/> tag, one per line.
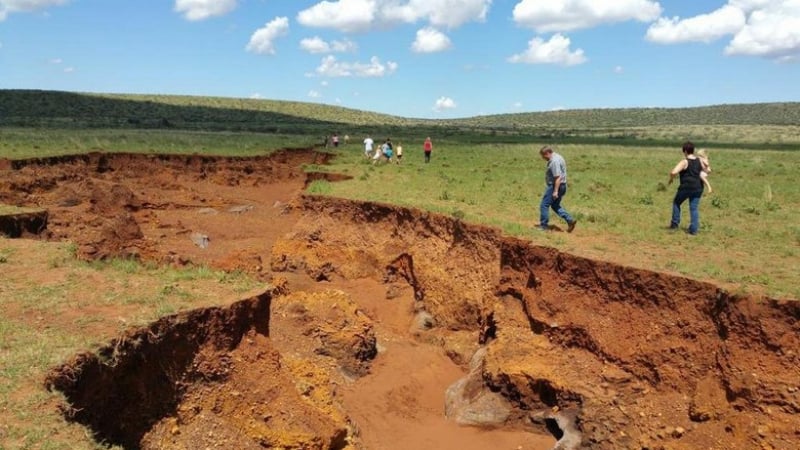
<point x="400" y="403"/>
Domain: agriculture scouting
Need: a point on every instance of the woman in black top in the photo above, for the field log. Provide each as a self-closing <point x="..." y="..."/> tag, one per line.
<point x="691" y="188"/>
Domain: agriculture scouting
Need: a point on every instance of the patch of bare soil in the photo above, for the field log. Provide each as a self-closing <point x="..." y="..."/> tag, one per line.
<point x="430" y="333"/>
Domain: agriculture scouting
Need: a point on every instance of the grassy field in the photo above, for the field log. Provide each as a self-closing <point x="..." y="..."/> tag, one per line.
<point x="749" y="238"/>
<point x="22" y="143"/>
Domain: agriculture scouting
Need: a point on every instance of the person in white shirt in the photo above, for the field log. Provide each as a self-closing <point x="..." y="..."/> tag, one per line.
<point x="368" y="143"/>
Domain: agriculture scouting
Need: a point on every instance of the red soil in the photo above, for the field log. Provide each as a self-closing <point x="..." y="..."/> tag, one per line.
<point x="362" y="333"/>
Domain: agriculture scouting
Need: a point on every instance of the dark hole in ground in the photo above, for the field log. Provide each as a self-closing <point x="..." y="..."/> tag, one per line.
<point x="553" y="428"/>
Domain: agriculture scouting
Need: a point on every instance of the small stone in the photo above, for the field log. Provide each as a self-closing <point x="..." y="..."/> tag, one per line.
<point x="175" y="430"/>
<point x="239" y="209"/>
<point x="678" y="432"/>
<point x="201" y="240"/>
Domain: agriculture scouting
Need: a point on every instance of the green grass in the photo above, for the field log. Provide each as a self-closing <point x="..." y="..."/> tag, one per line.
<point x="22" y="143"/>
<point x="749" y="237"/>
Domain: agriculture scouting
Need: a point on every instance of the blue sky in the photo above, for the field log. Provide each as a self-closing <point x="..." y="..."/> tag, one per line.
<point x="412" y="58"/>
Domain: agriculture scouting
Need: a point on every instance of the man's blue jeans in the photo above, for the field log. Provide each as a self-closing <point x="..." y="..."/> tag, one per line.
<point x="548" y="202"/>
<point x="694" y="214"/>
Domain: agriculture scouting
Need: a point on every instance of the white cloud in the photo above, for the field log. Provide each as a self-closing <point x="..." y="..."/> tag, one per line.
<point x="443" y="103"/>
<point x="13" y="6"/>
<point x="766" y="28"/>
<point x="330" y="67"/>
<point x="256" y="96"/>
<point x="314" y="94"/>
<point x="703" y="28"/>
<point x="324" y="83"/>
<point x="439" y="13"/>
<point x="56" y="61"/>
<point x="352" y="16"/>
<point x="318" y="45"/>
<point x="554" y="51"/>
<point x="315" y="45"/>
<point x="343" y="15"/>
<point x="203" y="9"/>
<point x="618" y="69"/>
<point x="772" y="31"/>
<point x="430" y="40"/>
<point x="344" y="46"/>
<point x="262" y="41"/>
<point x="69" y="69"/>
<point x="566" y="15"/>
<point x="517" y="105"/>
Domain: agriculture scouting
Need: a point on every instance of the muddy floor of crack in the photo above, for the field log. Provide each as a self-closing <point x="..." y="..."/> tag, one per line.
<point x="392" y="328"/>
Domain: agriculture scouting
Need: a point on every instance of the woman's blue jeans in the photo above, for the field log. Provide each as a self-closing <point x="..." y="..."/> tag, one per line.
<point x="694" y="213"/>
<point x="548" y="202"/>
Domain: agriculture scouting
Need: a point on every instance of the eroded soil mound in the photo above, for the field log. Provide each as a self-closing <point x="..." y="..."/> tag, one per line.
<point x="156" y="206"/>
<point x="640" y="359"/>
<point x="375" y="337"/>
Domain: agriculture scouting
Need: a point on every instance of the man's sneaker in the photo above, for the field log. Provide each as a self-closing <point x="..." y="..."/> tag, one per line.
<point x="571" y="225"/>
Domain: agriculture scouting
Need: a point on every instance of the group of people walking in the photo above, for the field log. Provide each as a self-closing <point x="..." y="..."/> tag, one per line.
<point x="692" y="170"/>
<point x="388" y="152"/>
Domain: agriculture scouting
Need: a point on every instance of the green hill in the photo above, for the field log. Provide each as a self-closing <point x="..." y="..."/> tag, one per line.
<point x="771" y="124"/>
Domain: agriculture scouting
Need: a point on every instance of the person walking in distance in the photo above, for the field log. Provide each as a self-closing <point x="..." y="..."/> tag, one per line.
<point x="427" y="147"/>
<point x="555" y="176"/>
<point x="691" y="188"/>
<point x="368" y="143"/>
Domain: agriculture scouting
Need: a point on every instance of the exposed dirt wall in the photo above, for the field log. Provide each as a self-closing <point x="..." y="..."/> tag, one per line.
<point x="647" y="360"/>
<point x="127" y="386"/>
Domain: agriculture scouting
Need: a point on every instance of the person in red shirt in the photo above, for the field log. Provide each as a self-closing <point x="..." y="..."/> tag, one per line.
<point x="427" y="147"/>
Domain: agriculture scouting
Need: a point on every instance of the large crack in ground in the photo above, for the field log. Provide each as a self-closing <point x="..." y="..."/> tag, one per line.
<point x="425" y="332"/>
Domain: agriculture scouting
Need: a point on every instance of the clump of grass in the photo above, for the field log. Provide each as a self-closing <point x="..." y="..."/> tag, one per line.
<point x="719" y="202"/>
<point x="5" y="254"/>
<point x="320" y="187"/>
<point x="646" y="199"/>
